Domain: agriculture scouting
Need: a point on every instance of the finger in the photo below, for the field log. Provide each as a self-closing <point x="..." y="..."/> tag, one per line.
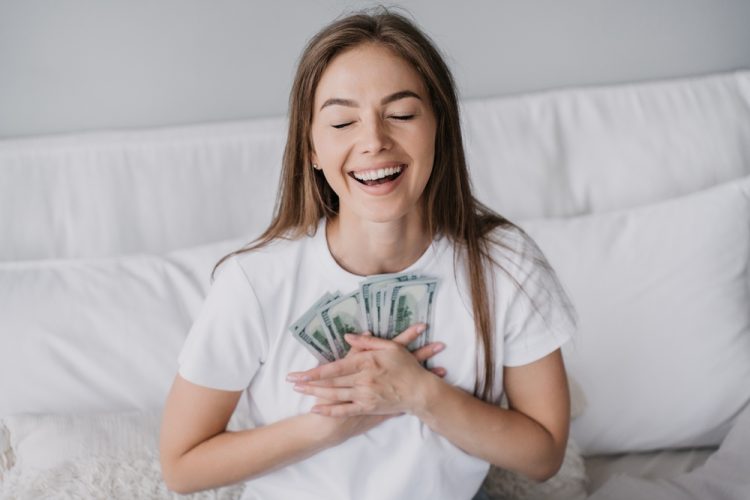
<point x="392" y="415"/>
<point x="338" y="410"/>
<point x="410" y="334"/>
<point x="439" y="371"/>
<point x="353" y="349"/>
<point x="345" y="381"/>
<point x="329" y="393"/>
<point x="367" y="342"/>
<point x="428" y="351"/>
<point x="338" y="368"/>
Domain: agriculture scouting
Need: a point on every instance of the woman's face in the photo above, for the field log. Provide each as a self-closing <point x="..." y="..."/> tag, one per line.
<point x="373" y="133"/>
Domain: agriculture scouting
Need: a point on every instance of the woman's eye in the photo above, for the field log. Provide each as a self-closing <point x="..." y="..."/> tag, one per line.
<point x="402" y="117"/>
<point x="342" y="125"/>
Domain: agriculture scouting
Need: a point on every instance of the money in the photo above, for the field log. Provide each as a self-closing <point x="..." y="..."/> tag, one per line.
<point x="384" y="304"/>
<point x="368" y="303"/>
<point x="408" y="303"/>
<point x="311" y="332"/>
<point x="342" y="316"/>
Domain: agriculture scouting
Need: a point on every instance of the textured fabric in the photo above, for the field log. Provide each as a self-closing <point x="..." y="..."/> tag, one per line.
<point x="107" y="455"/>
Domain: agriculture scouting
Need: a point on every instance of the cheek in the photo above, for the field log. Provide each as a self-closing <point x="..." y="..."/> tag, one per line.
<point x="424" y="143"/>
<point x="329" y="150"/>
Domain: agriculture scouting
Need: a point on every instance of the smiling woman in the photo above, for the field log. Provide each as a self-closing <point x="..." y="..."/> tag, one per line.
<point x="387" y="139"/>
<point x="374" y="181"/>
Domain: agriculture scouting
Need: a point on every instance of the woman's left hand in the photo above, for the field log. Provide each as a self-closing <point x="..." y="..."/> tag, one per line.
<point x="383" y="378"/>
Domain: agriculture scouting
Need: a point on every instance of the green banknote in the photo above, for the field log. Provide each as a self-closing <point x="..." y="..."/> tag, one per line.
<point x="385" y="305"/>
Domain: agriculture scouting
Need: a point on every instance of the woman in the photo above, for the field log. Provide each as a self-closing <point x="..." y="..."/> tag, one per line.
<point x="374" y="181"/>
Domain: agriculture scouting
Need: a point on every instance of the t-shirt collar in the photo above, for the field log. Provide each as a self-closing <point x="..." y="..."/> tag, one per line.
<point x="320" y="243"/>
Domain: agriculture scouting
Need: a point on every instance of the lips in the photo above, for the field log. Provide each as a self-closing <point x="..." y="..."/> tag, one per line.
<point x="384" y="173"/>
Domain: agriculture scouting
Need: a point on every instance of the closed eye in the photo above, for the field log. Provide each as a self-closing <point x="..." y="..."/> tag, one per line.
<point x="402" y="117"/>
<point x="342" y="125"/>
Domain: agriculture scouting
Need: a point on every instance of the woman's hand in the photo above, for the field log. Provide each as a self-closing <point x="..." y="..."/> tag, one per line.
<point x="377" y="377"/>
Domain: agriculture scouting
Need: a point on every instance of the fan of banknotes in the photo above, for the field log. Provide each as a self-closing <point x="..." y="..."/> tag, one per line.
<point x="385" y="305"/>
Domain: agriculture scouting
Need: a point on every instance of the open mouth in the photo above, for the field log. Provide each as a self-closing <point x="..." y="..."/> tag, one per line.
<point x="381" y="176"/>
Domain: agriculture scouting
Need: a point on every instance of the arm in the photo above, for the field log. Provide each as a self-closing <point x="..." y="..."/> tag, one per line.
<point x="530" y="437"/>
<point x="197" y="452"/>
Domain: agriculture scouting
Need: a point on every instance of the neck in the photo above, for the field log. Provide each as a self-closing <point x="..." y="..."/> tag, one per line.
<point x="365" y="247"/>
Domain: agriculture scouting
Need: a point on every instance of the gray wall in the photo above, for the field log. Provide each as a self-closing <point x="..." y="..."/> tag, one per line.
<point x="75" y="65"/>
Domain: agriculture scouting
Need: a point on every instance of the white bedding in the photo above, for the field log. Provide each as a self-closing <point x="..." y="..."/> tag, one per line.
<point x="647" y="465"/>
<point x="724" y="476"/>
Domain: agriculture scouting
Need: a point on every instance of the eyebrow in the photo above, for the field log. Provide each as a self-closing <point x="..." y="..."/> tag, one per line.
<point x="386" y="100"/>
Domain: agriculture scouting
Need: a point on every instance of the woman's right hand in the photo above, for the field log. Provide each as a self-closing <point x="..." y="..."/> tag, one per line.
<point x="339" y="429"/>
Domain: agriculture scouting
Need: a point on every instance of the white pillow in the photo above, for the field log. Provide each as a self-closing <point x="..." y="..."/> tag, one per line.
<point x="663" y="348"/>
<point x="97" y="335"/>
<point x="108" y="193"/>
<point x="568" y="152"/>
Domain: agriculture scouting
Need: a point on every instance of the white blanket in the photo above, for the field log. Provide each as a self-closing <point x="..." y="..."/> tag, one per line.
<point x="724" y="476"/>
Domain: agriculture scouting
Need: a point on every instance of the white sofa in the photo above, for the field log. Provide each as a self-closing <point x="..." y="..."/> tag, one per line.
<point x="639" y="195"/>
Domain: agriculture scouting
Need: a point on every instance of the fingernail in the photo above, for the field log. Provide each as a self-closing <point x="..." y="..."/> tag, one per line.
<point x="421" y="328"/>
<point x="299" y="388"/>
<point x="315" y="409"/>
<point x="438" y="347"/>
<point x="297" y="378"/>
<point x="349" y="336"/>
<point x="367" y="333"/>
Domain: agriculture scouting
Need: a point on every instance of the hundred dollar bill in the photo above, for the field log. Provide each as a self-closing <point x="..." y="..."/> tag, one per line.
<point x="313" y="310"/>
<point x="311" y="333"/>
<point x="385" y="310"/>
<point x="307" y="339"/>
<point x="367" y="291"/>
<point x="342" y="316"/>
<point x="410" y="303"/>
<point x="380" y="313"/>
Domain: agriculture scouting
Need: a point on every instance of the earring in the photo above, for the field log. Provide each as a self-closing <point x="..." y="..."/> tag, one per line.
<point x="315" y="166"/>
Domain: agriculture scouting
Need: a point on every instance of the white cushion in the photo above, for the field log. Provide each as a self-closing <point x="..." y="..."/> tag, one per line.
<point x="663" y="348"/>
<point x="153" y="191"/>
<point x="97" y="335"/>
<point x="586" y="150"/>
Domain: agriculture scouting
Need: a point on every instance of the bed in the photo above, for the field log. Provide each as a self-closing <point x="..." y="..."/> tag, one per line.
<point x="639" y="195"/>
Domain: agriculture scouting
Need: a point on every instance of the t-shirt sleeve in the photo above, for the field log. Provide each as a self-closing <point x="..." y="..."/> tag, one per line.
<point x="227" y="341"/>
<point x="538" y="317"/>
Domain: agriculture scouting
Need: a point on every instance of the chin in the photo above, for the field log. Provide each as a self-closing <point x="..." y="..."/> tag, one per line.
<point x="380" y="216"/>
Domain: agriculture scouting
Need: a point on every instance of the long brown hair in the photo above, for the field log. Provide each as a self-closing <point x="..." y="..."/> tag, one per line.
<point x="448" y="203"/>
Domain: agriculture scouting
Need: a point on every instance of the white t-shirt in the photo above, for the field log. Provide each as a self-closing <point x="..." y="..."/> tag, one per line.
<point x="240" y="341"/>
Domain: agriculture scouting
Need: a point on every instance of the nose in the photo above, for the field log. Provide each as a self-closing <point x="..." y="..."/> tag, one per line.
<point x="374" y="136"/>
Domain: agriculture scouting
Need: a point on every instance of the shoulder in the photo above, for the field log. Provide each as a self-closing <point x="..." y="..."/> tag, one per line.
<point x="513" y="250"/>
<point x="269" y="265"/>
<point x="273" y="253"/>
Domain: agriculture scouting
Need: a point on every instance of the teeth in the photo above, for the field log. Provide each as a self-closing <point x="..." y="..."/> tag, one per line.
<point x="372" y="175"/>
